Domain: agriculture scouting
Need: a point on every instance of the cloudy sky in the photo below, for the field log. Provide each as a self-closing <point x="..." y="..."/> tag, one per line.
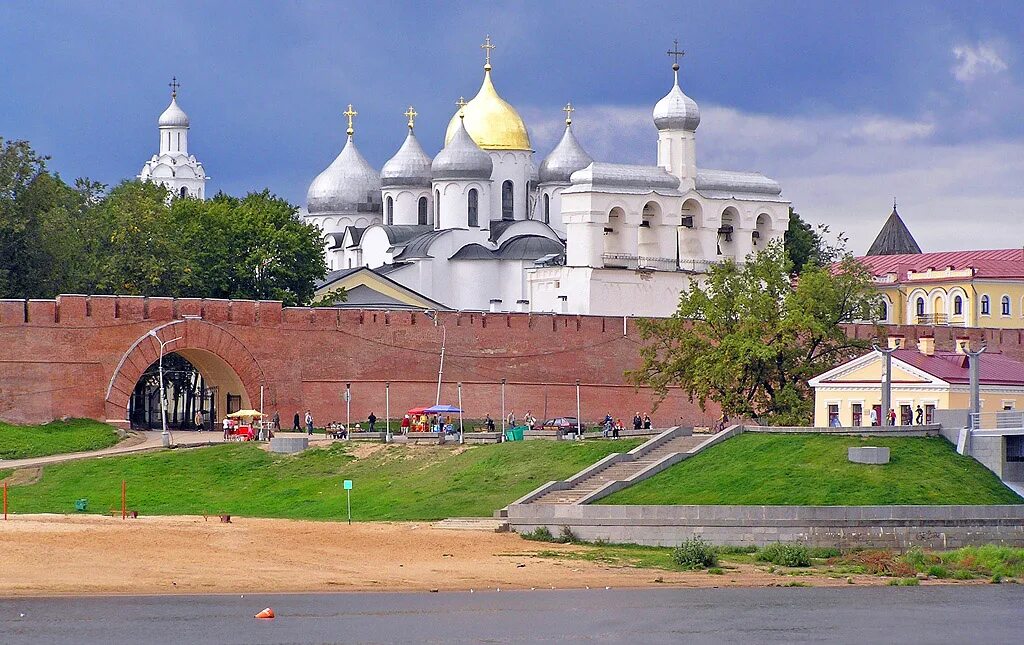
<point x="846" y="104"/>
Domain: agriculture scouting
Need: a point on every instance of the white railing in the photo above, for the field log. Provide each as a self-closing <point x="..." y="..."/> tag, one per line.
<point x="631" y="261"/>
<point x="1006" y="420"/>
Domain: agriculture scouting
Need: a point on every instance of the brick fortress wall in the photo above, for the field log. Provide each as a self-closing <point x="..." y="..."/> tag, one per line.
<point x="80" y="356"/>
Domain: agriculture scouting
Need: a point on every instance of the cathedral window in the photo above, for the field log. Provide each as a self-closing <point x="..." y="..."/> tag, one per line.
<point x="920" y="306"/>
<point x="421" y="218"/>
<point x="182" y="192"/>
<point x="437" y="209"/>
<point x="390" y="211"/>
<point x="883" y="310"/>
<point x="506" y="201"/>
<point x="958" y="306"/>
<point x="179" y="142"/>
<point x="473" y="207"/>
<point x="984" y="305"/>
<point x="1006" y="305"/>
<point x="547" y="208"/>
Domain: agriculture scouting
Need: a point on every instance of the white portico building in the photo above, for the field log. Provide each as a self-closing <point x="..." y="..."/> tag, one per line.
<point x="174" y="167"/>
<point x="482" y="227"/>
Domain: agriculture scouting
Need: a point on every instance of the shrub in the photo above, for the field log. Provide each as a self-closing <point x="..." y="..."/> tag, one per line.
<point x="785" y="555"/>
<point x="567" y="536"/>
<point x="716" y="571"/>
<point x="824" y="552"/>
<point x="996" y="579"/>
<point x="904" y="582"/>
<point x="695" y="553"/>
<point x="938" y="571"/>
<point x="540" y="534"/>
<point x="963" y="574"/>
<point x="735" y="550"/>
<point x="914" y="557"/>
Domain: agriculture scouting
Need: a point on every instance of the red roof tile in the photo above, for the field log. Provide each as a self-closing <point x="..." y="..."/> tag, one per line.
<point x="996" y="263"/>
<point x="996" y="369"/>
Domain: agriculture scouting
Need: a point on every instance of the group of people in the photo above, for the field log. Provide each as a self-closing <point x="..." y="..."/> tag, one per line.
<point x="427" y="423"/>
<point x="890" y="418"/>
<point x="611" y="428"/>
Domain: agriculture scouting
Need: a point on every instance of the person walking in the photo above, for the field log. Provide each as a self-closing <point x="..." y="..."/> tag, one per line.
<point x="227" y="428"/>
<point x="199" y="420"/>
<point x="489" y="423"/>
<point x="511" y="419"/>
<point x="874" y="417"/>
<point x="309" y="423"/>
<point x="919" y="416"/>
<point x="405" y="424"/>
<point x="892" y="417"/>
<point x="372" y="420"/>
<point x="275" y="422"/>
<point x="616" y="428"/>
<point x="296" y="427"/>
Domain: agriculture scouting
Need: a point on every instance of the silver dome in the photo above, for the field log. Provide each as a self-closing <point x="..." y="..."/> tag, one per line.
<point x="174" y="116"/>
<point x="349" y="185"/>
<point x="462" y="159"/>
<point x="409" y="167"/>
<point x="676" y="111"/>
<point x="567" y="157"/>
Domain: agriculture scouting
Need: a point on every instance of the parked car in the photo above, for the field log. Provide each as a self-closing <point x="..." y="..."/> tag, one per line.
<point x="567" y="425"/>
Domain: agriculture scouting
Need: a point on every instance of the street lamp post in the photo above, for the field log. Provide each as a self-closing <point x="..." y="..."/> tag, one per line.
<point x="165" y="436"/>
<point x="462" y="436"/>
<point x="387" y="411"/>
<point x="430" y="313"/>
<point x="348" y="410"/>
<point x="503" y="407"/>
<point x="975" y="372"/>
<point x="886" y="382"/>
<point x="579" y="422"/>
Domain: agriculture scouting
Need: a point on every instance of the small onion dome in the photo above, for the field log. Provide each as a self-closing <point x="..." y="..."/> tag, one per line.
<point x="676" y="111"/>
<point x="461" y="158"/>
<point x="409" y="167"/>
<point x="567" y="157"/>
<point x="174" y="116"/>
<point x="349" y="185"/>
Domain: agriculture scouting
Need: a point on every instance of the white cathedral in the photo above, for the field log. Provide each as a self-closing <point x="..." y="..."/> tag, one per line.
<point x="482" y="227"/>
<point x="174" y="167"/>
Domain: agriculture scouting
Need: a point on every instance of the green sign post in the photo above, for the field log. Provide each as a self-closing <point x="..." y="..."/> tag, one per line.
<point x="347" y="484"/>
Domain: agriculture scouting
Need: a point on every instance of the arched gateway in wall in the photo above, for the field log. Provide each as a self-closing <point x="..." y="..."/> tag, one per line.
<point x="220" y="357"/>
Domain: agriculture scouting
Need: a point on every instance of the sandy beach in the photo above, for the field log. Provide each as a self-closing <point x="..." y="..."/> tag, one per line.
<point x="91" y="554"/>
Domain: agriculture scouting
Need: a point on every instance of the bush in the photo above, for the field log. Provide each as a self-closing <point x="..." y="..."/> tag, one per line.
<point x="567" y="536"/>
<point x="735" y="550"/>
<point x="963" y="574"/>
<point x="785" y="555"/>
<point x="824" y="552"/>
<point x="996" y="579"/>
<point x="695" y="554"/>
<point x="716" y="571"/>
<point x="540" y="534"/>
<point x="938" y="571"/>
<point x="904" y="582"/>
<point x="914" y="557"/>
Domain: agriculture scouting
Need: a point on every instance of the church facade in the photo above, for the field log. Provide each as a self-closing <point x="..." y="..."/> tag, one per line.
<point x="174" y="167"/>
<point x="483" y="226"/>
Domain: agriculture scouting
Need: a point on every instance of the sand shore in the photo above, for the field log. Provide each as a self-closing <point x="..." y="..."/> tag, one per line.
<point x="90" y="554"/>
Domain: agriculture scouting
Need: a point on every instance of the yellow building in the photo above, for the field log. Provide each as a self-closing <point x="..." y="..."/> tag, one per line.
<point x="957" y="288"/>
<point x="922" y="378"/>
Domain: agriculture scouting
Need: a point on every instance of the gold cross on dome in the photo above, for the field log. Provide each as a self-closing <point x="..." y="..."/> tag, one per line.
<point x="487" y="47"/>
<point x="174" y="85"/>
<point x="411" y="114"/>
<point x="676" y="53"/>
<point x="568" y="109"/>
<point x="350" y="113"/>
<point x="462" y="104"/>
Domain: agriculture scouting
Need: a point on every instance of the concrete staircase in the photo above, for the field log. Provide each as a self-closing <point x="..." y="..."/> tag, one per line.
<point x="617" y="471"/>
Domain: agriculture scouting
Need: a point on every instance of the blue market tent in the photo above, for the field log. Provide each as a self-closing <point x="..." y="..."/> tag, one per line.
<point x="443" y="409"/>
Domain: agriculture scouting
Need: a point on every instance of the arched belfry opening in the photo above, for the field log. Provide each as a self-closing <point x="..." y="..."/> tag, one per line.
<point x="194" y="380"/>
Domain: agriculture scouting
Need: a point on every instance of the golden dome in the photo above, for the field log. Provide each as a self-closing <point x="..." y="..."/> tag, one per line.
<point x="491" y="122"/>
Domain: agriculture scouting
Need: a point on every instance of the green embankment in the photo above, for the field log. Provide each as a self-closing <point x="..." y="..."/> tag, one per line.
<point x="392" y="483"/>
<point x="58" y="437"/>
<point x="778" y="469"/>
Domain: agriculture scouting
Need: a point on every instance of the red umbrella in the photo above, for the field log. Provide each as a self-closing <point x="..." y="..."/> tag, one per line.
<point x="419" y="410"/>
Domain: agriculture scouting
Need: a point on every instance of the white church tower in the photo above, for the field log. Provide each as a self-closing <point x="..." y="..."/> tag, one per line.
<point x="676" y="116"/>
<point x="174" y="167"/>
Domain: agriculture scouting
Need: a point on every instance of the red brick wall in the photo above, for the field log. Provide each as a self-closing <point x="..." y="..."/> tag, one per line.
<point x="59" y="358"/>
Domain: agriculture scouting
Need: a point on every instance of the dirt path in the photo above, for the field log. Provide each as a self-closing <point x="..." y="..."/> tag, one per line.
<point x="89" y="554"/>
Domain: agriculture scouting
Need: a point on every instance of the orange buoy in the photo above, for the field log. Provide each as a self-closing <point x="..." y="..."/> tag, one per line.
<point x="266" y="613"/>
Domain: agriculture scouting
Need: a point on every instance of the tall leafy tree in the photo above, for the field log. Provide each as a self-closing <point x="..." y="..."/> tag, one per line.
<point x="26" y="189"/>
<point x="810" y="245"/>
<point x="750" y="337"/>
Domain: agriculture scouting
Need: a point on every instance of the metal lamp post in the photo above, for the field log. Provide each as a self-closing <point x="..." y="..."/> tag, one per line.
<point x="886" y="382"/>
<point x="165" y="436"/>
<point x="462" y="435"/>
<point x="503" y="407"/>
<point x="387" y="411"/>
<point x="348" y="410"/>
<point x="430" y="313"/>
<point x="975" y="372"/>
<point x="579" y="422"/>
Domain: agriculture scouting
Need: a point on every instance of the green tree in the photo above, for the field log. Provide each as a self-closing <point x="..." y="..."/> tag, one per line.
<point x="26" y="189"/>
<point x="809" y="245"/>
<point x="750" y="337"/>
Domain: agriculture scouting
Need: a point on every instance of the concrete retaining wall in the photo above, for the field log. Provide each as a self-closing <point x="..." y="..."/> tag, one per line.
<point x="863" y="431"/>
<point x="900" y="527"/>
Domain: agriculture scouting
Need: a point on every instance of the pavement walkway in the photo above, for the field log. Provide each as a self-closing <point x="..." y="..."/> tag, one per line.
<point x="150" y="441"/>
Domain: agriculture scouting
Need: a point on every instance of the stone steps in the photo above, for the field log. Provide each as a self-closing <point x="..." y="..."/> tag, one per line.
<point x="491" y="524"/>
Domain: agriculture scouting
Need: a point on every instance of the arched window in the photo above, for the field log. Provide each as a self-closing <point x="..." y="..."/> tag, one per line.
<point x="1006" y="305"/>
<point x="984" y="305"/>
<point x="183" y="192"/>
<point x="473" y="208"/>
<point x="920" y="306"/>
<point x="547" y="208"/>
<point x="389" y="217"/>
<point x="883" y="310"/>
<point x="437" y="209"/>
<point x="506" y="201"/>
<point x="421" y="217"/>
<point x="179" y="142"/>
<point x="958" y="306"/>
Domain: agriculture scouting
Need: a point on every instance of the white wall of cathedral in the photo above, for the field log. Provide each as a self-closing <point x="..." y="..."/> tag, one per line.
<point x="174" y="140"/>
<point x="463" y="204"/>
<point x="548" y="208"/>
<point x="375" y="245"/>
<point x="605" y="292"/>
<point x="405" y="207"/>
<point x="677" y="153"/>
<point x="512" y="168"/>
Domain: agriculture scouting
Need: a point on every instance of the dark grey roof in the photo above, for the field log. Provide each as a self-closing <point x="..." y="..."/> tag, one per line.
<point x="336" y="275"/>
<point x="473" y="252"/>
<point x="894" y="238"/>
<point x="401" y="233"/>
<point x="624" y="178"/>
<point x="336" y="239"/>
<point x="419" y="246"/>
<point x="462" y="158"/>
<point x="390" y="268"/>
<point x="349" y="185"/>
<point x="528" y="247"/>
<point x="357" y="234"/>
<point x="498" y="227"/>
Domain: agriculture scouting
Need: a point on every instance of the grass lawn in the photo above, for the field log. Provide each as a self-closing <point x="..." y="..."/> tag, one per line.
<point x="392" y="483"/>
<point x="778" y="469"/>
<point x="74" y="435"/>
